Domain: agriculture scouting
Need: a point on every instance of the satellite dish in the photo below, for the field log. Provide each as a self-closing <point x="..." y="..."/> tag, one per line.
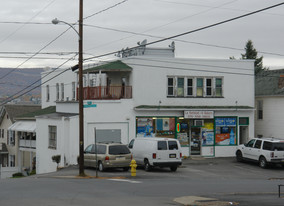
<point x="144" y="42"/>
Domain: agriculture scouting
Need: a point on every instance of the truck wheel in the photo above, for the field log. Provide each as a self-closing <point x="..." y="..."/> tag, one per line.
<point x="147" y="166"/>
<point x="101" y="167"/>
<point x="173" y="168"/>
<point x="262" y="162"/>
<point x="239" y="156"/>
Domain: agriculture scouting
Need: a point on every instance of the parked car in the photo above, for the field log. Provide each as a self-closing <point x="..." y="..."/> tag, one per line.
<point x="265" y="151"/>
<point x="107" y="155"/>
<point x="156" y="152"/>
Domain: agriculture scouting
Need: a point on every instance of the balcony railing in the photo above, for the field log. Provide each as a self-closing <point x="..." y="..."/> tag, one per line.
<point x="27" y="143"/>
<point x="107" y="92"/>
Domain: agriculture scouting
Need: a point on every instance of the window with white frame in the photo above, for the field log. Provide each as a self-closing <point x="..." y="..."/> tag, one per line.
<point x="57" y="91"/>
<point x="219" y="87"/>
<point x="170" y="86"/>
<point x="195" y="86"/>
<point x="12" y="160"/>
<point x="180" y="87"/>
<point x="62" y="91"/>
<point x="189" y="86"/>
<point x="47" y="93"/>
<point x="209" y="87"/>
<point x="52" y="139"/>
<point x="11" y="137"/>
<point x="73" y="90"/>
<point x="199" y="87"/>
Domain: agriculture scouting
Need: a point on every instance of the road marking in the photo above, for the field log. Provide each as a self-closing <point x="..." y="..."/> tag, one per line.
<point x="125" y="180"/>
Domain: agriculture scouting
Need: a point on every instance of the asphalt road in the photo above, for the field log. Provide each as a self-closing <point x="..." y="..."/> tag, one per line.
<point x="224" y="179"/>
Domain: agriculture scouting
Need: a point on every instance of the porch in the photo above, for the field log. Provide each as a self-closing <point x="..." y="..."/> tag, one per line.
<point x="106" y="92"/>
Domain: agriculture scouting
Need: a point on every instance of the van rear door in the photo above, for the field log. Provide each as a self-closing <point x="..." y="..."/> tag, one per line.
<point x="168" y="150"/>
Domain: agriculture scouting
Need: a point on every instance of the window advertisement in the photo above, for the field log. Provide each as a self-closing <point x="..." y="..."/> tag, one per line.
<point x="208" y="133"/>
<point x="225" y="130"/>
<point x="183" y="134"/>
<point x="155" y="127"/>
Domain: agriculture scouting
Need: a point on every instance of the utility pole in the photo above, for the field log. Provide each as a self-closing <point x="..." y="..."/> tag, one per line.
<point x="81" y="110"/>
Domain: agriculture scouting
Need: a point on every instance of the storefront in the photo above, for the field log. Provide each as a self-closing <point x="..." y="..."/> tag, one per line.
<point x="199" y="132"/>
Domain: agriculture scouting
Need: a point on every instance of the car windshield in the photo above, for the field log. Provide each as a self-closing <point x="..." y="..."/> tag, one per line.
<point x="118" y="149"/>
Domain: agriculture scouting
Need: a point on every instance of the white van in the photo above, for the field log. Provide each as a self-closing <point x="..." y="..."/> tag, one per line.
<point x="161" y="152"/>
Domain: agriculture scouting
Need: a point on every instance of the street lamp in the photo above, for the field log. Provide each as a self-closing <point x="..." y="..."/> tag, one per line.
<point x="80" y="63"/>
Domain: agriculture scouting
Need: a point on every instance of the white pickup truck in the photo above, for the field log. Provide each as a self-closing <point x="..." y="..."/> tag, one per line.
<point x="265" y="151"/>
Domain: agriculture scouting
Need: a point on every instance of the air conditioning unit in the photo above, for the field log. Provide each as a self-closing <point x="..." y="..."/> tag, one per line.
<point x="199" y="123"/>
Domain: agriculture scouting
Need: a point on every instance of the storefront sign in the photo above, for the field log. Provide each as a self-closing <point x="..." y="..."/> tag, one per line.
<point x="198" y="114"/>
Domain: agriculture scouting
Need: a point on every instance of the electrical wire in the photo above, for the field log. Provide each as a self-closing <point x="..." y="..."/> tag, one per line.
<point x="196" y="30"/>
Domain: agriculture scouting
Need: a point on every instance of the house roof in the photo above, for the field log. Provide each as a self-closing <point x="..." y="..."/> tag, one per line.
<point x="268" y="83"/>
<point x="112" y="66"/>
<point x="47" y="110"/>
<point x="172" y="107"/>
<point x="17" y="110"/>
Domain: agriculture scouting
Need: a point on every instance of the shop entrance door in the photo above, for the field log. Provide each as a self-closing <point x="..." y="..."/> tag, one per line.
<point x="244" y="134"/>
<point x="195" y="141"/>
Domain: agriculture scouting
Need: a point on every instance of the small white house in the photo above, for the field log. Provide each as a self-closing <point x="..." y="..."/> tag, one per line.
<point x="269" y="100"/>
<point x="207" y="104"/>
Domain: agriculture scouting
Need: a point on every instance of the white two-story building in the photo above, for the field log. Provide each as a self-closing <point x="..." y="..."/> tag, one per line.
<point x="207" y="104"/>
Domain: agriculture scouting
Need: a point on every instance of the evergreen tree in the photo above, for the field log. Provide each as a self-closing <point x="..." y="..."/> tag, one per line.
<point x="251" y="53"/>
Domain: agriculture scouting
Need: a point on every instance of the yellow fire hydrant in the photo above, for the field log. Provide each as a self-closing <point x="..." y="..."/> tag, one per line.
<point x="133" y="166"/>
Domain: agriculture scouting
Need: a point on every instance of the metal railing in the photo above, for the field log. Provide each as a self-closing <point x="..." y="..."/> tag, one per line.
<point x="107" y="92"/>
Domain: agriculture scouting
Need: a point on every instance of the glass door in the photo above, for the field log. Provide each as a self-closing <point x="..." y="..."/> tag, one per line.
<point x="195" y="142"/>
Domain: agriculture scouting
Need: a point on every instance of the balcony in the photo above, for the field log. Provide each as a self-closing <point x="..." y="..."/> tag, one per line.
<point x="24" y="143"/>
<point x="107" y="93"/>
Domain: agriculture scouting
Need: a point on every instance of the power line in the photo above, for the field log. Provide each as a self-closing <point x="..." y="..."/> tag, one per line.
<point x="196" y="30"/>
<point x="178" y="40"/>
<point x="115" y="5"/>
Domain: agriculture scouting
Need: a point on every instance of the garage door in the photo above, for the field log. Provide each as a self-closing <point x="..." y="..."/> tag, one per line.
<point x="108" y="135"/>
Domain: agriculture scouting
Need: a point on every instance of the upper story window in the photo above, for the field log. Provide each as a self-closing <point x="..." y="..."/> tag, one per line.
<point x="180" y="87"/>
<point x="170" y="86"/>
<point x="57" y="91"/>
<point x="195" y="86"/>
<point x="62" y="91"/>
<point x="47" y="93"/>
<point x="73" y="90"/>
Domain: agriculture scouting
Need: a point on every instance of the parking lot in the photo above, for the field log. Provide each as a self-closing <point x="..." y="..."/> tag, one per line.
<point x="224" y="180"/>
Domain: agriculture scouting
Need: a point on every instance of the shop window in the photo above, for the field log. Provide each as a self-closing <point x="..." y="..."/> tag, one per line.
<point x="225" y="129"/>
<point x="180" y="87"/>
<point x="155" y="127"/>
<point x="199" y="87"/>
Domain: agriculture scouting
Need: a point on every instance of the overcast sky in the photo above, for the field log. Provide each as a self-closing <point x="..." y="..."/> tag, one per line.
<point x="111" y="25"/>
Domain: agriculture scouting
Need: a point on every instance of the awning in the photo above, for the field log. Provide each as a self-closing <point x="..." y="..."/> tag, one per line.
<point x="23" y="126"/>
<point x="3" y="149"/>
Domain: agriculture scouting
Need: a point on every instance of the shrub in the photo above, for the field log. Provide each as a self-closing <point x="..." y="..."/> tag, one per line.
<point x="18" y="174"/>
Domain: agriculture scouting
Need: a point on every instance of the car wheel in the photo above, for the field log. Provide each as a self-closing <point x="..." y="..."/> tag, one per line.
<point x="101" y="167"/>
<point x="173" y="168"/>
<point x="239" y="156"/>
<point x="262" y="162"/>
<point x="147" y="166"/>
<point x="125" y="169"/>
